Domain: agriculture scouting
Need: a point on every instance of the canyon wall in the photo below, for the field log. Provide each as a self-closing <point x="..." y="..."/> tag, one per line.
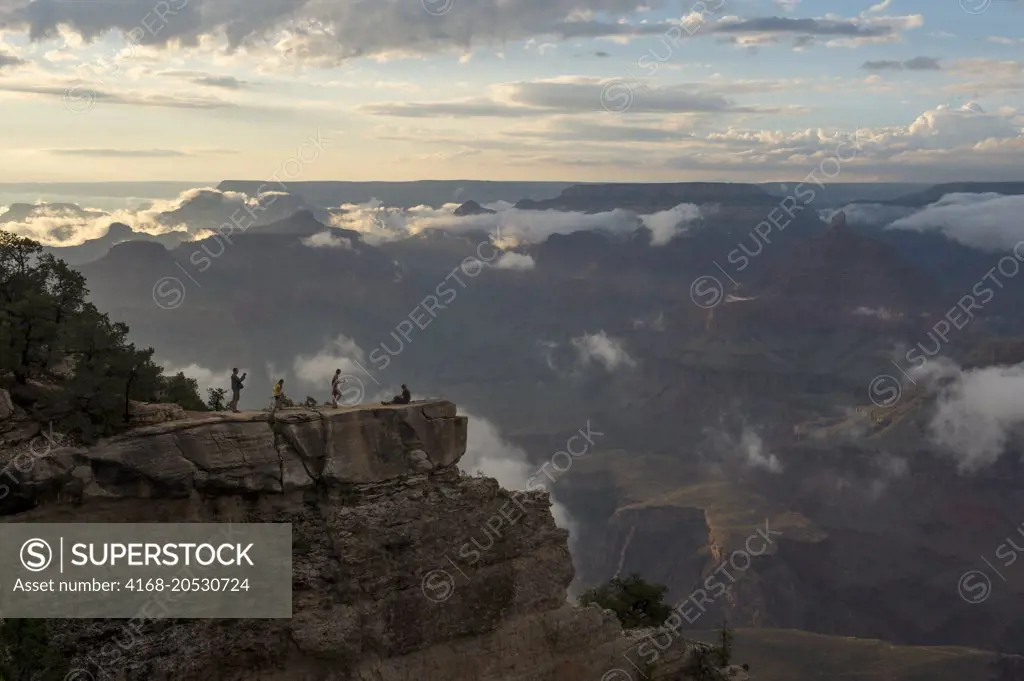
<point x="404" y="568"/>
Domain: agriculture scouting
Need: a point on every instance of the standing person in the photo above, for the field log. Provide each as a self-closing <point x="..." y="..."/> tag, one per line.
<point x="236" y="388"/>
<point x="336" y="384"/>
<point x="278" y="395"/>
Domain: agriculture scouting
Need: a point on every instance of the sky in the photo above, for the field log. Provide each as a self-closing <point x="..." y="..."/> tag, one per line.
<point x="566" y="90"/>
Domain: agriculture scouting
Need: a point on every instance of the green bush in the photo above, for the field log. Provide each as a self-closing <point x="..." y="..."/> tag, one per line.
<point x="635" y="602"/>
<point x="63" y="359"/>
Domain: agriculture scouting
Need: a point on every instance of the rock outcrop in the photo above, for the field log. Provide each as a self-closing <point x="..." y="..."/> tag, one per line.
<point x="404" y="568"/>
<point x="472" y="208"/>
<point x="6" y="406"/>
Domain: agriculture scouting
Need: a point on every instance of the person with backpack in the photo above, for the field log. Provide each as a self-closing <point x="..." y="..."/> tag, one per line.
<point x="237" y="383"/>
<point x="278" y="395"/>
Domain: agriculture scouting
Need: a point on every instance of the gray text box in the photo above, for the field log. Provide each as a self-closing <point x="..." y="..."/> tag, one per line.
<point x="127" y="570"/>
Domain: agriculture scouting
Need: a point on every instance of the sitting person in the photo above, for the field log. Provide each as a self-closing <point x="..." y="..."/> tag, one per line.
<point x="404" y="398"/>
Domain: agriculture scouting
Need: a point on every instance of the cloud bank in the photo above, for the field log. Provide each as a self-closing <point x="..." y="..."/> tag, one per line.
<point x="989" y="222"/>
<point x="509" y="227"/>
<point x="490" y="454"/>
<point x="195" y="213"/>
<point x="978" y="412"/>
<point x="599" y="347"/>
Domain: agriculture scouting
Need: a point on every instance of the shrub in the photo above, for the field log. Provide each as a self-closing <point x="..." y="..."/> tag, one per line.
<point x="215" y="399"/>
<point x="635" y="602"/>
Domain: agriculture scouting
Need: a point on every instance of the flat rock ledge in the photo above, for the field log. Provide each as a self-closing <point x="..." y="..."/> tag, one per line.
<point x="248" y="452"/>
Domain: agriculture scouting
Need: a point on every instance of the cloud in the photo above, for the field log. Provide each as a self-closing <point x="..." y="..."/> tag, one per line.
<point x="314" y="372"/>
<point x="752" y="447"/>
<point x="320" y="32"/>
<point x="816" y="27"/>
<point x="206" y="378"/>
<point x="82" y="94"/>
<point x="327" y="34"/>
<point x="943" y="144"/>
<point x="989" y="222"/>
<point x="196" y="212"/>
<point x="515" y="226"/>
<point x="119" y="153"/>
<point x="569" y="95"/>
<point x="833" y="31"/>
<point x="10" y="60"/>
<point x="207" y="79"/>
<point x="978" y="412"/>
<point x="226" y="82"/>
<point x="992" y="76"/>
<point x="915" y="64"/>
<point x="668" y="224"/>
<point x="515" y="261"/>
<point x="879" y="7"/>
<point x="490" y="454"/>
<point x="210" y="80"/>
<point x="327" y="240"/>
<point x="948" y="128"/>
<point x="890" y="468"/>
<point x="603" y="349"/>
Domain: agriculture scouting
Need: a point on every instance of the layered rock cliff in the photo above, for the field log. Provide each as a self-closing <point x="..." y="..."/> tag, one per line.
<point x="404" y="568"/>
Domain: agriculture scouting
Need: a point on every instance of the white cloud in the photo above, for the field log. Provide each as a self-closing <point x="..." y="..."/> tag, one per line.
<point x="753" y="449"/>
<point x="196" y="212"/>
<point x="970" y="124"/>
<point x="978" y="412"/>
<point x="487" y="452"/>
<point x="206" y="378"/>
<point x="327" y="240"/>
<point x="508" y="226"/>
<point x="601" y="348"/>
<point x="314" y="372"/>
<point x="515" y="261"/>
<point x="668" y="224"/>
<point x="989" y="222"/>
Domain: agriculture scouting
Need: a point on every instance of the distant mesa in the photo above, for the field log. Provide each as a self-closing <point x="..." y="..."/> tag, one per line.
<point x="648" y="197"/>
<point x="300" y="223"/>
<point x="472" y="208"/>
<point x="23" y="212"/>
<point x="118" y="232"/>
<point x="935" y="193"/>
<point x="134" y="254"/>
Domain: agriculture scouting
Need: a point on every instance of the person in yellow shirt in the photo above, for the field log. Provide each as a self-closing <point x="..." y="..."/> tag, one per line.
<point x="278" y="395"/>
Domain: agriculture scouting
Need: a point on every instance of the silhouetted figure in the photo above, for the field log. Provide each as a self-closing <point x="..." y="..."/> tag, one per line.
<point x="404" y="398"/>
<point x="336" y="384"/>
<point x="236" y="388"/>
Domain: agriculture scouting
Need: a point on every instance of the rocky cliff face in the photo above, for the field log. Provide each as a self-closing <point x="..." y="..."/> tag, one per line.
<point x="404" y="568"/>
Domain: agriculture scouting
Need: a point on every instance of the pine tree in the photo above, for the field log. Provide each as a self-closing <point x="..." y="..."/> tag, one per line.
<point x="723" y="651"/>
